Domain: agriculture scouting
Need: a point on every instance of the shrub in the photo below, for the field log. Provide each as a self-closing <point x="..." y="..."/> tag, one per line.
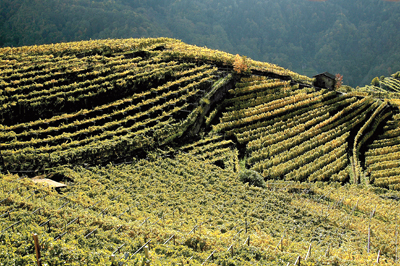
<point x="375" y="81"/>
<point x="252" y="177"/>
<point x="240" y="65"/>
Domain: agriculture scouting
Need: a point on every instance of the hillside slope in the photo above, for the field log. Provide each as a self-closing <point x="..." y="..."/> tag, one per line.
<point x="189" y="209"/>
<point x="100" y="101"/>
<point x="145" y="129"/>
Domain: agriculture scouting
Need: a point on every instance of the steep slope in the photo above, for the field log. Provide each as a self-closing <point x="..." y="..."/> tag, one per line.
<point x="300" y="133"/>
<point x="100" y="101"/>
<point x="152" y="137"/>
<point x="92" y="102"/>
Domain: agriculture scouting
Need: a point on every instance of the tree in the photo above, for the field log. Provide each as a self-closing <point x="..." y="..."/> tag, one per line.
<point x="339" y="81"/>
<point x="240" y="65"/>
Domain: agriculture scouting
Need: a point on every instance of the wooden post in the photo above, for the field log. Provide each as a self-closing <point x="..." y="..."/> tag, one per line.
<point x="373" y="212"/>
<point x="37" y="249"/>
<point x="369" y="239"/>
<point x="297" y="261"/>
<point x="327" y="251"/>
<point x="280" y="243"/>
<point x="397" y="232"/>
<point x="308" y="253"/>
<point x="146" y="253"/>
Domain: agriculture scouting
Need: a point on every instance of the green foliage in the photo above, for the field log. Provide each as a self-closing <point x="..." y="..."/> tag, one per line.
<point x="375" y="82"/>
<point x="205" y="207"/>
<point x="251" y="177"/>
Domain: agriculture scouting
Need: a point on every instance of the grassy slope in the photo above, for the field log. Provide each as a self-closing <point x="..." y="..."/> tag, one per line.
<point x="87" y="104"/>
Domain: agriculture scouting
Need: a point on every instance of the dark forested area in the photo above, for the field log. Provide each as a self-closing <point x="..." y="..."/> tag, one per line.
<point x="357" y="38"/>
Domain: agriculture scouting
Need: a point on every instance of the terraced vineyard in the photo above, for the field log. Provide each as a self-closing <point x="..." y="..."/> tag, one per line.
<point x="383" y="155"/>
<point x="155" y="138"/>
<point x="299" y="133"/>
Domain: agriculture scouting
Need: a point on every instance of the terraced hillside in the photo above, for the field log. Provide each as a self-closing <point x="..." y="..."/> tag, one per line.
<point x="155" y="138"/>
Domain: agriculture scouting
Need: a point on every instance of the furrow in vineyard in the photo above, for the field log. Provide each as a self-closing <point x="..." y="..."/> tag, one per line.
<point x="382" y="155"/>
<point x="390" y="182"/>
<point x="280" y="107"/>
<point x="126" y="119"/>
<point x="385" y="157"/>
<point x="87" y="69"/>
<point x="168" y="92"/>
<point x="93" y="137"/>
<point x="55" y="121"/>
<point x="87" y="96"/>
<point x="361" y="138"/>
<point x="289" y="121"/>
<point x="81" y="77"/>
<point x="341" y="176"/>
<point x="200" y="54"/>
<point x="35" y="72"/>
<point x="287" y="133"/>
<point x="331" y="123"/>
<point x="214" y="149"/>
<point x="387" y="172"/>
<point x="308" y="170"/>
<point x="76" y="89"/>
<point x="255" y="100"/>
<point x="385" y="143"/>
<point x="383" y="165"/>
<point x="293" y="118"/>
<point x="284" y="164"/>
<point x="266" y="107"/>
<point x="329" y="168"/>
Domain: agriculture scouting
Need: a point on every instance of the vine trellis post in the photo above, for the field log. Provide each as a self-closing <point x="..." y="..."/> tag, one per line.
<point x="37" y="249"/>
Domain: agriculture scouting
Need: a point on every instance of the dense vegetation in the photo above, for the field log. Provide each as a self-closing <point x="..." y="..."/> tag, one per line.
<point x="213" y="158"/>
<point x="200" y="208"/>
<point x="355" y="38"/>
